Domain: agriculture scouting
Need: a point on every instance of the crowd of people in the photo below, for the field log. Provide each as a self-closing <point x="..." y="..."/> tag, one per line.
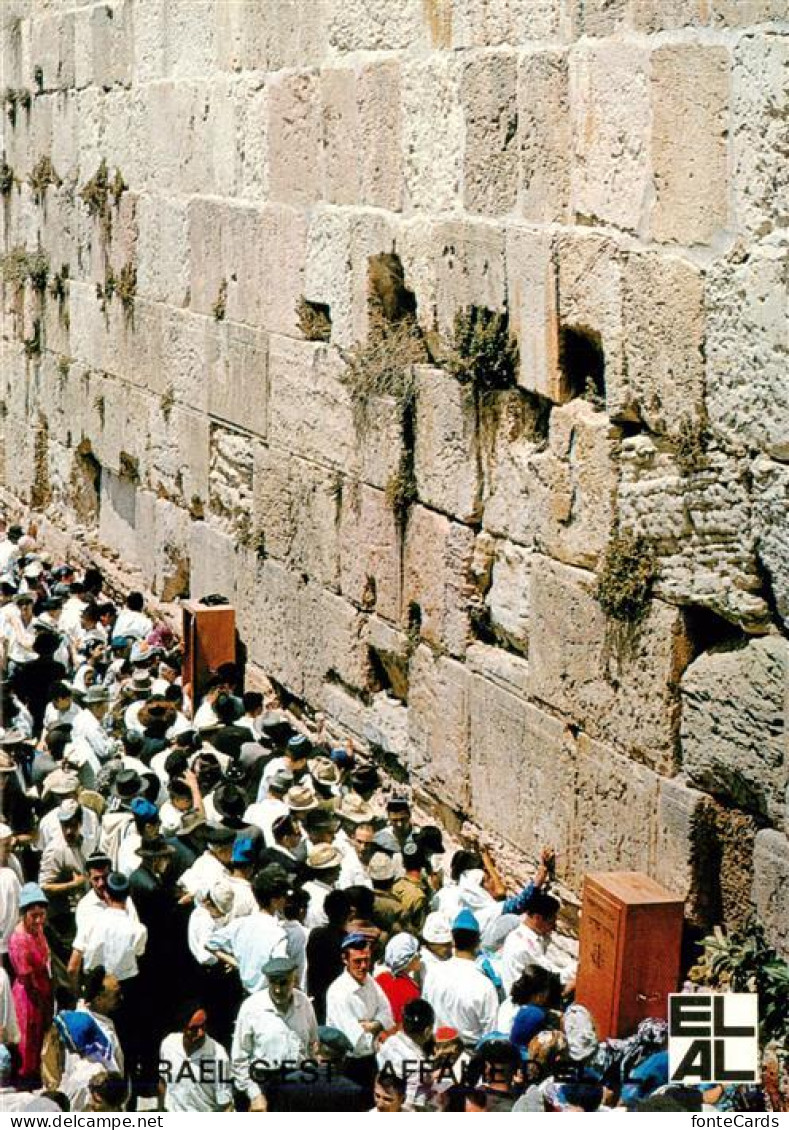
<point x="204" y="907"/>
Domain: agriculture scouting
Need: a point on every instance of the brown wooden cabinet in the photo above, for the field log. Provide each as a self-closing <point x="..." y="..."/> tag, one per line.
<point x="631" y="939"/>
<point x="209" y="635"/>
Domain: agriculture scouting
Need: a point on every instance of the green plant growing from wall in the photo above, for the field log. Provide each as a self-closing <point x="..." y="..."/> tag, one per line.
<point x="167" y="402"/>
<point x="10" y="100"/>
<point x="314" y="320"/>
<point x="126" y="287"/>
<point x="626" y="578"/>
<point x="57" y="287"/>
<point x="32" y="344"/>
<point x="481" y="349"/>
<point x="38" y="271"/>
<point x="38" y="78"/>
<point x="219" y="309"/>
<point x="6" y="179"/>
<point x="691" y="442"/>
<point x="14" y="267"/>
<point x="401" y="489"/>
<point x="97" y="193"/>
<point x="42" y="175"/>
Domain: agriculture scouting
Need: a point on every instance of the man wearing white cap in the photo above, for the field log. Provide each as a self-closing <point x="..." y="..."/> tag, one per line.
<point x="61" y="873"/>
<point x="64" y="784"/>
<point x="460" y="993"/>
<point x="92" y="743"/>
<point x="323" y="864"/>
<point x="436" y="939"/>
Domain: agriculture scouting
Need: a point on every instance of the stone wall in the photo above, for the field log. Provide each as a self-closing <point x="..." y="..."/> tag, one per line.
<point x="180" y="174"/>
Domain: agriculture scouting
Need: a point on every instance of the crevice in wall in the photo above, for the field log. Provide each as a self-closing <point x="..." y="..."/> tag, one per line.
<point x="582" y="363"/>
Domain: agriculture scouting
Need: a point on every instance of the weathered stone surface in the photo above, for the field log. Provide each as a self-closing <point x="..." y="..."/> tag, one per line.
<point x="615" y="823"/>
<point x="544" y="134"/>
<point x="590" y="304"/>
<point x="597" y="17"/>
<point x="490" y="170"/>
<point x="370" y="552"/>
<point x="759" y="104"/>
<point x="509" y="438"/>
<point x="770" y="884"/>
<point x="771" y="526"/>
<point x="507" y="670"/>
<point x="362" y="25"/>
<point x="436" y="557"/>
<point x="516" y="744"/>
<point x="432" y="132"/>
<point x="213" y="562"/>
<point x="163" y="250"/>
<point x="478" y="24"/>
<point x="663" y="300"/>
<point x="698" y="518"/>
<point x="236" y="361"/>
<point x="445" y="457"/>
<point x="438" y="725"/>
<point x="683" y="862"/>
<point x="310" y="409"/>
<point x="611" y="112"/>
<point x="268" y="37"/>
<point x="294" y="135"/>
<point x="574" y="485"/>
<point x="616" y="685"/>
<point x="747" y="390"/>
<point x="690" y="93"/>
<point x="533" y="307"/>
<point x="380" y="136"/>
<point x="734" y="740"/>
<point x="508" y="598"/>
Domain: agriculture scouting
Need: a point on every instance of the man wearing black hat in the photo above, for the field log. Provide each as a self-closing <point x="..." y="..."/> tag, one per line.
<point x="275" y="1025"/>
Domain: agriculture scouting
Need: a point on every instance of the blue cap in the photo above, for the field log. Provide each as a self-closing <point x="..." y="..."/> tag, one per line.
<point x="465" y="920"/>
<point x="117" y="883"/>
<point x="143" y="809"/>
<point x="243" y="851"/>
<point x="342" y="758"/>
<point x="119" y="642"/>
<point x="31" y="895"/>
<point x="529" y="1020"/>
<point x="355" y="941"/>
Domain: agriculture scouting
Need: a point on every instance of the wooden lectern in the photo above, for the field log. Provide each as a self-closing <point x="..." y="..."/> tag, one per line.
<point x="209" y="634"/>
<point x="631" y="939"/>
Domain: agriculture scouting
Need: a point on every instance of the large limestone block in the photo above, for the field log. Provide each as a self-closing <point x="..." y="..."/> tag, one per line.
<point x="690" y="96"/>
<point x="770" y="884"/>
<point x="339" y="653"/>
<point x="508" y="600"/>
<point x="663" y="15"/>
<point x="509" y="438"/>
<point x="532" y="290"/>
<point x="545" y="138"/>
<point x="52" y="48"/>
<point x="296" y="513"/>
<point x="268" y="37"/>
<point x="275" y="606"/>
<point x="236" y="373"/>
<point x="574" y="485"/>
<point x="616" y="685"/>
<point x="436" y="560"/>
<point x="380" y="442"/>
<point x="476" y="23"/>
<point x="522" y="771"/>
<point x="294" y="138"/>
<point x="664" y="340"/>
<point x="747" y="320"/>
<point x="590" y="303"/>
<point x="490" y="168"/>
<point x="468" y="267"/>
<point x="310" y="408"/>
<point x="760" y="104"/>
<point x="327" y="278"/>
<point x="370" y="552"/>
<point x="375" y="25"/>
<point x="230" y="473"/>
<point x="507" y="670"/>
<point x="699" y="519"/>
<point x="445" y="456"/>
<point x="432" y="133"/>
<point x="380" y="135"/>
<point x="103" y="44"/>
<point x="183" y="347"/>
<point x="177" y="455"/>
<point x="120" y="516"/>
<point x="172" y="536"/>
<point x="611" y="115"/>
<point x="438" y="725"/>
<point x="339" y="110"/>
<point x="615" y="824"/>
<point x="597" y="17"/>
<point x="190" y="32"/>
<point x="771" y="525"/>
<point x="683" y="861"/>
<point x="734" y="739"/>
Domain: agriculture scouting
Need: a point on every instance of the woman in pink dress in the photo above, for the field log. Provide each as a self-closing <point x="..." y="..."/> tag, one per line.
<point x="33" y="997"/>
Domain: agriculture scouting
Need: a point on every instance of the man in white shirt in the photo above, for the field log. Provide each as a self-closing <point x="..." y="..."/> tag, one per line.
<point x="211" y="865"/>
<point x="91" y="745"/>
<point x="404" y="1053"/>
<point x="531" y="944"/>
<point x="460" y="993"/>
<point x="275" y="1025"/>
<point x="112" y="938"/>
<point x="18" y="632"/>
<point x="323" y="866"/>
<point x="195" y="1069"/>
<point x="132" y="621"/>
<point x="10" y="887"/>
<point x="358" y="1006"/>
<point x="263" y="813"/>
<point x="251" y="941"/>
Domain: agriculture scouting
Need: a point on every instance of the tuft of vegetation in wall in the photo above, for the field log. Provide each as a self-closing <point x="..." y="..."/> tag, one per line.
<point x="14" y="267"/>
<point x="167" y="402"/>
<point x="14" y="100"/>
<point x="401" y="489"/>
<point x="626" y="578"/>
<point x="481" y="349"/>
<point x="691" y="442"/>
<point x="38" y="271"/>
<point x="42" y="175"/>
<point x="219" y="309"/>
<point x="314" y="320"/>
<point x="6" y="179"/>
<point x="32" y="344"/>
<point x="126" y="287"/>
<point x="100" y="193"/>
<point x="38" y="78"/>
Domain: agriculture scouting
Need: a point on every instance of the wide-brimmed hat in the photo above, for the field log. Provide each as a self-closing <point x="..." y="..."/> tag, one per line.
<point x="95" y="694"/>
<point x="61" y="782"/>
<point x="324" y="771"/>
<point x="324" y="857"/>
<point x="300" y="799"/>
<point x="381" y="868"/>
<point x="352" y="807"/>
<point x="229" y="801"/>
<point x="155" y="848"/>
<point x="128" y="784"/>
